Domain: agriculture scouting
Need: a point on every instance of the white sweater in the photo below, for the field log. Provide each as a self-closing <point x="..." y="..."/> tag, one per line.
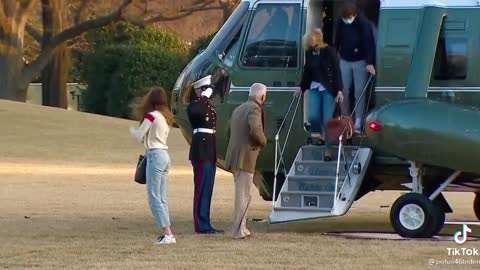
<point x="153" y="131"/>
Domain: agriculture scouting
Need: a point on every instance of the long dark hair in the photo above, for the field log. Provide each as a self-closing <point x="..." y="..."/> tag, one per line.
<point x="155" y="99"/>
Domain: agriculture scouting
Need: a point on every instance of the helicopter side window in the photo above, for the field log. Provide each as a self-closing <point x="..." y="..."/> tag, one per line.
<point x="451" y="59"/>
<point x="273" y="37"/>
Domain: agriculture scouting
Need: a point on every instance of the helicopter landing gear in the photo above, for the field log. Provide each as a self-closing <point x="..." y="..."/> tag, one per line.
<point x="415" y="215"/>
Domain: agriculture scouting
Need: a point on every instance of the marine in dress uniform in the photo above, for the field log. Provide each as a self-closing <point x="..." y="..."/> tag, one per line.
<point x="203" y="153"/>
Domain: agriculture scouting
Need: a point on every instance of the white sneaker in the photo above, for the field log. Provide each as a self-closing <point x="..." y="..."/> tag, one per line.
<point x="166" y="239"/>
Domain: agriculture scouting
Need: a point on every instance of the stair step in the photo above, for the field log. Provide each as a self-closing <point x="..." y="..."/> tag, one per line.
<point x="315" y="152"/>
<point x="323" y="210"/>
<point x="313" y="183"/>
<point x="308" y="192"/>
<point x="307" y="199"/>
<point x="319" y="168"/>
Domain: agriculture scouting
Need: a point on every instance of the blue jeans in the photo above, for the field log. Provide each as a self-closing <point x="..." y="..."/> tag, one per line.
<point x="158" y="164"/>
<point x="356" y="74"/>
<point x="320" y="109"/>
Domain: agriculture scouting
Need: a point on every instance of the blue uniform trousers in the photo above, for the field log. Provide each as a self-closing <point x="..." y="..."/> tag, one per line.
<point x="204" y="178"/>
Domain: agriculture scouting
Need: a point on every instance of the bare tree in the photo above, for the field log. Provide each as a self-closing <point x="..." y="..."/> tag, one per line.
<point x="15" y="74"/>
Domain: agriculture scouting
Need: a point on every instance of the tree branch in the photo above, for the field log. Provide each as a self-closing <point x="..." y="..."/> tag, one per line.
<point x="183" y="13"/>
<point x="25" y="5"/>
<point x="161" y="18"/>
<point x="36" y="66"/>
<point x="8" y="8"/>
<point x="81" y="9"/>
<point x="35" y="33"/>
<point x="2" y="12"/>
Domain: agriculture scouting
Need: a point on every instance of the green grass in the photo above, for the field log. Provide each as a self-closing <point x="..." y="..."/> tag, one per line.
<point x="68" y="200"/>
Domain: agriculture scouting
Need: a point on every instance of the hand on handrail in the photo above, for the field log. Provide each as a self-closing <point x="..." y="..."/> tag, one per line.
<point x="371" y="70"/>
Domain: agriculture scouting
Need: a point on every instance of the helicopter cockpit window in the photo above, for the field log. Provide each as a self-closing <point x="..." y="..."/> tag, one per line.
<point x="273" y="37"/>
<point x="450" y="59"/>
<point x="232" y="50"/>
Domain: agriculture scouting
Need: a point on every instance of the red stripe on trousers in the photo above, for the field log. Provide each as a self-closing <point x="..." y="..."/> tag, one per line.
<point x="198" y="181"/>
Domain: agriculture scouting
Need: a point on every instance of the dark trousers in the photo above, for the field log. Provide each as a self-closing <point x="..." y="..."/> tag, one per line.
<point x="204" y="178"/>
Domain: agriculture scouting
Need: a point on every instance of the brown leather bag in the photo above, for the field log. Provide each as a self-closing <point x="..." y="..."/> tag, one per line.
<point x="339" y="125"/>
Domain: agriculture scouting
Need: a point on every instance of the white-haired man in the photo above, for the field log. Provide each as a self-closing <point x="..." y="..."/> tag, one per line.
<point x="246" y="139"/>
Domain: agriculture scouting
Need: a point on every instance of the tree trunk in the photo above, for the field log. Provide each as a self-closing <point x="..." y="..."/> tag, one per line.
<point x="12" y="85"/>
<point x="54" y="79"/>
<point x="55" y="74"/>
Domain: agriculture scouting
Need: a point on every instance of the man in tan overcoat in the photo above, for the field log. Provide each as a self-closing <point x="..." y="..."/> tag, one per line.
<point x="246" y="139"/>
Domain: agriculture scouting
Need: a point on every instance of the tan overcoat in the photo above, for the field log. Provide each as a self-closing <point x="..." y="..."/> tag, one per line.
<point x="246" y="137"/>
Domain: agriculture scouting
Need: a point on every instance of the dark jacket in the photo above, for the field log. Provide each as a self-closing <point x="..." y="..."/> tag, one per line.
<point x="355" y="42"/>
<point x="322" y="66"/>
<point x="202" y="115"/>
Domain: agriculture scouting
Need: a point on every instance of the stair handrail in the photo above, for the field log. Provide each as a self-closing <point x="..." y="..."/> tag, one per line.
<point x="341" y="150"/>
<point x="348" y="176"/>
<point x="279" y="156"/>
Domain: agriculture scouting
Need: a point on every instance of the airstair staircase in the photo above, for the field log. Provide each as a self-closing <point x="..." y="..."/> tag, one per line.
<point x="315" y="188"/>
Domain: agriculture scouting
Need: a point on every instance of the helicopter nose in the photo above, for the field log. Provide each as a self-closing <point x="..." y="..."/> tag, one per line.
<point x="174" y="102"/>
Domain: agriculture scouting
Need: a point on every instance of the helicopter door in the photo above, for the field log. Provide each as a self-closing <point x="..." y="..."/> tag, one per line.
<point x="270" y="53"/>
<point x="271" y="48"/>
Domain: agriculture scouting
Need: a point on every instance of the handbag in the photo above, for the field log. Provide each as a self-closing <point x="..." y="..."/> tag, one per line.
<point x="339" y="125"/>
<point x="141" y="171"/>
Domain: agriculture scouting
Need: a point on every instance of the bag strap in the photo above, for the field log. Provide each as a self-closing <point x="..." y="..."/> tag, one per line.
<point x="335" y="105"/>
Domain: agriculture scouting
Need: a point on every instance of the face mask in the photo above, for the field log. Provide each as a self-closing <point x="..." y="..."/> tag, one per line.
<point x="207" y="93"/>
<point x="349" y="20"/>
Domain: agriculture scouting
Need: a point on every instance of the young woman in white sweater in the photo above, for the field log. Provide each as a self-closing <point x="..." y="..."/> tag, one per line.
<point x="153" y="131"/>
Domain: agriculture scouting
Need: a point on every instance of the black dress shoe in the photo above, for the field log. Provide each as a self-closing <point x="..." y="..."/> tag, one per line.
<point x="218" y="230"/>
<point x="211" y="231"/>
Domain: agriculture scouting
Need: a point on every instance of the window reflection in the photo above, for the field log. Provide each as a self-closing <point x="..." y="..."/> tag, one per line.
<point x="273" y="37"/>
<point x="451" y="59"/>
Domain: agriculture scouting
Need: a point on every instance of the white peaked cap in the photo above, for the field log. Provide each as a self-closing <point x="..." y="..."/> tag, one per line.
<point x="207" y="80"/>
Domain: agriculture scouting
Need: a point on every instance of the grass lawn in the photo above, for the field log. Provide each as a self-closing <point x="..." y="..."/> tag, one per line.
<point x="67" y="200"/>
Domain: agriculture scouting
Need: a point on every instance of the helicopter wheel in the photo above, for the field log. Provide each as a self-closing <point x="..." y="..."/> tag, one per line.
<point x="476" y="205"/>
<point x="413" y="215"/>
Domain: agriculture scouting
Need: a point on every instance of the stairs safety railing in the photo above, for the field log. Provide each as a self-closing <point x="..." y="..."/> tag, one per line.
<point x="341" y="149"/>
<point x="279" y="149"/>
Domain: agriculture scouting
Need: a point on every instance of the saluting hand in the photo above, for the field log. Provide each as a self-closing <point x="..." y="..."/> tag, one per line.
<point x="339" y="97"/>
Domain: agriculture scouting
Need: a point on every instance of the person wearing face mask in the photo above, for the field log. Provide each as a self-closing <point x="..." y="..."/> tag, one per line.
<point x="203" y="156"/>
<point x="246" y="138"/>
<point x="355" y="43"/>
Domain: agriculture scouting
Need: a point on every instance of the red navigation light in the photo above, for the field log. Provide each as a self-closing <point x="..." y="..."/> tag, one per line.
<point x="375" y="126"/>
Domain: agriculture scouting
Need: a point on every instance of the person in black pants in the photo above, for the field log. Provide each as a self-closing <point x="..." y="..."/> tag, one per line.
<point x="203" y="154"/>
